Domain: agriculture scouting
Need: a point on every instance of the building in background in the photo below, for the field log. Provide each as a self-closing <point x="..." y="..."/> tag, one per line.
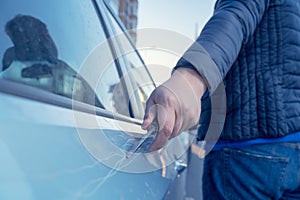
<point x="127" y="10"/>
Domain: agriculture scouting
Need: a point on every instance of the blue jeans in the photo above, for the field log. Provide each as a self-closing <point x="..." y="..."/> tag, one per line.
<point x="262" y="171"/>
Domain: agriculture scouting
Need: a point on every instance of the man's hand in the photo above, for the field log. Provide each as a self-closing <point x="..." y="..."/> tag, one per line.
<point x="176" y="104"/>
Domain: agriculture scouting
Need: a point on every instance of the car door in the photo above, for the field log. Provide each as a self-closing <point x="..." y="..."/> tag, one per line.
<point x="67" y="122"/>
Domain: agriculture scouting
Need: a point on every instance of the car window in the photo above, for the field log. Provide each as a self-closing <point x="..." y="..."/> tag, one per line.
<point x="141" y="82"/>
<point x="43" y="44"/>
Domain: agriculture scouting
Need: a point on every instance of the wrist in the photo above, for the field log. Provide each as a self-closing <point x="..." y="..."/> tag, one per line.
<point x="194" y="78"/>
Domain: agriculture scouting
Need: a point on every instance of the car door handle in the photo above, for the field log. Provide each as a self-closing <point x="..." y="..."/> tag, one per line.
<point x="180" y="166"/>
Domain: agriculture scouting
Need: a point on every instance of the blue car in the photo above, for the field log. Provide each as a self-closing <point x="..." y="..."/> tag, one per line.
<point x="72" y="96"/>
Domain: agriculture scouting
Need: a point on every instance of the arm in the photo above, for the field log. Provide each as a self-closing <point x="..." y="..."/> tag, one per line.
<point x="177" y="103"/>
<point x="218" y="46"/>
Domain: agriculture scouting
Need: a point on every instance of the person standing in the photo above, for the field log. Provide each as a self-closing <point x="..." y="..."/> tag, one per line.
<point x="253" y="48"/>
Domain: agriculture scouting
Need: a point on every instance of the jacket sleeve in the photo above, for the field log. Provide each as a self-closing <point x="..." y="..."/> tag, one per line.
<point x="219" y="43"/>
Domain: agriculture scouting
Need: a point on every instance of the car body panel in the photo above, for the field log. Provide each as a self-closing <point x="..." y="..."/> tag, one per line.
<point x="53" y="146"/>
<point x="41" y="159"/>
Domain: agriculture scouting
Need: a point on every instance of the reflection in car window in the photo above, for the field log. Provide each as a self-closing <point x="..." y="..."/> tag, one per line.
<point x="44" y="46"/>
<point x="141" y="81"/>
<point x="111" y="91"/>
<point x="33" y="60"/>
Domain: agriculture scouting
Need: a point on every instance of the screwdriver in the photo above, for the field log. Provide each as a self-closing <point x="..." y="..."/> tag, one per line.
<point x="151" y="130"/>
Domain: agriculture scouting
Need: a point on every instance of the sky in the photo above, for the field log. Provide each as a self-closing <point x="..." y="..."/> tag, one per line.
<point x="183" y="17"/>
<point x="177" y="15"/>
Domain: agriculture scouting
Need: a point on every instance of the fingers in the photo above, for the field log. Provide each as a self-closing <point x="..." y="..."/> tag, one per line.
<point x="166" y="121"/>
<point x="177" y="126"/>
<point x="150" y="114"/>
<point x="163" y="105"/>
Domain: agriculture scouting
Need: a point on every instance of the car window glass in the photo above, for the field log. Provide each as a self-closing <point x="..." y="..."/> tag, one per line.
<point x="141" y="82"/>
<point x="45" y="45"/>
